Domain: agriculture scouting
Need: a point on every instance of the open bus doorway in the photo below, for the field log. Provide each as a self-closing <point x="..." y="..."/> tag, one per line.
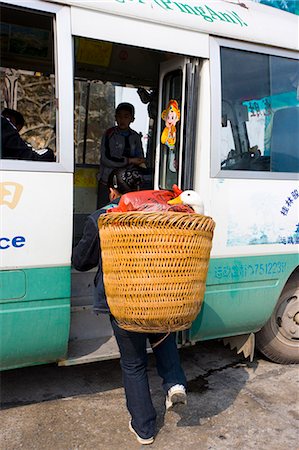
<point x="105" y="75"/>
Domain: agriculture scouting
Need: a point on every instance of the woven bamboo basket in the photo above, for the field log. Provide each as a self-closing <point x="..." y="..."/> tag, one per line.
<point x="155" y="267"/>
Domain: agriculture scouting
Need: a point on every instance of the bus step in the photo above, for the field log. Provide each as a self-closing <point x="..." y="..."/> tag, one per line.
<point x="90" y="350"/>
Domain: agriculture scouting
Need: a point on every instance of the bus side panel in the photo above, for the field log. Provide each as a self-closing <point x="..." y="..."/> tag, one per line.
<point x="34" y="327"/>
<point x="241" y="294"/>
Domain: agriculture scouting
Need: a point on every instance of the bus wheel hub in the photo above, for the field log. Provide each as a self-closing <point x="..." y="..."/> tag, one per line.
<point x="288" y="318"/>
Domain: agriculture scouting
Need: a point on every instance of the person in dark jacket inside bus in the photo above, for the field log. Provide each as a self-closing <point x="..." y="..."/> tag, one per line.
<point x="12" y="145"/>
<point x="120" y="147"/>
<point x="132" y="345"/>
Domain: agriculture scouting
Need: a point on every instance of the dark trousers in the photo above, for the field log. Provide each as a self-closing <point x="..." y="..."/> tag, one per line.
<point x="133" y="360"/>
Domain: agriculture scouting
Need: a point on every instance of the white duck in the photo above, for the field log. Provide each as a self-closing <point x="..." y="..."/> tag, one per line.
<point x="190" y="198"/>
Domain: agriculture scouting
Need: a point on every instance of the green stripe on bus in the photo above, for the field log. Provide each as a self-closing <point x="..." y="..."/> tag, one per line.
<point x="35" y="327"/>
<point x="241" y="294"/>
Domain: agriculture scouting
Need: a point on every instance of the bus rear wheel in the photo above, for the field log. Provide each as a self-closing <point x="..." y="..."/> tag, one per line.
<point x="278" y="340"/>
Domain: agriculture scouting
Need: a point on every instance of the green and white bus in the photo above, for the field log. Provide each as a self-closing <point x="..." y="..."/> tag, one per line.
<point x="233" y="69"/>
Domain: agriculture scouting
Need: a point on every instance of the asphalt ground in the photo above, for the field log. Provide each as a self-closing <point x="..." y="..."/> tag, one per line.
<point x="232" y="404"/>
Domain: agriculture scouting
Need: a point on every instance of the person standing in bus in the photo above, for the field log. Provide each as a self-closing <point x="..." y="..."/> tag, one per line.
<point x="121" y="147"/>
<point x="132" y="345"/>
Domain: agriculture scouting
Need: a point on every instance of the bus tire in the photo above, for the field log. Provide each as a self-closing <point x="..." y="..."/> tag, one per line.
<point x="278" y="340"/>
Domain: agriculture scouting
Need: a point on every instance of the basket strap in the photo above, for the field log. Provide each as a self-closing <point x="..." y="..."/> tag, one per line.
<point x="161" y="340"/>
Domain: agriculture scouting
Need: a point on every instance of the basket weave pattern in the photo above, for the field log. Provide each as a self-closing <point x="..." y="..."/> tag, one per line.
<point x="155" y="267"/>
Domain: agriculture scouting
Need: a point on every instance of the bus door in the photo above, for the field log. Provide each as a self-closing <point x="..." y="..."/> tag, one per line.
<point x="178" y="95"/>
<point x="176" y="129"/>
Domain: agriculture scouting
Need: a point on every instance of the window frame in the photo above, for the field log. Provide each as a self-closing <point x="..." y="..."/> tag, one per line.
<point x="63" y="64"/>
<point x="216" y="99"/>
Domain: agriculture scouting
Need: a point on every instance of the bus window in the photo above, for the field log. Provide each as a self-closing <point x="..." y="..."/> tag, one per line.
<point x="92" y="117"/>
<point x="94" y="113"/>
<point x="28" y="77"/>
<point x="260" y="112"/>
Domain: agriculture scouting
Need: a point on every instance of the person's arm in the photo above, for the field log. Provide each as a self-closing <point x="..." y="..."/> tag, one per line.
<point x="14" y="147"/>
<point x="136" y="144"/>
<point x="139" y="149"/>
<point x="87" y="252"/>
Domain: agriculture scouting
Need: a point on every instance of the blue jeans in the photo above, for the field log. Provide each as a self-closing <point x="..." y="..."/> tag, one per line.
<point x="133" y="360"/>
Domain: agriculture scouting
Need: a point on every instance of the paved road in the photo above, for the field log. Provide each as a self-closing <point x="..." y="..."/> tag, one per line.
<point x="233" y="404"/>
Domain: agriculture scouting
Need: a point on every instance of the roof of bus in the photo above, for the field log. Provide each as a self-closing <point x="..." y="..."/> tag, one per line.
<point x="238" y="19"/>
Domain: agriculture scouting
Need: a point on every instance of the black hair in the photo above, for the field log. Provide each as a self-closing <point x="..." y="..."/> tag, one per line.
<point x="16" y="115"/>
<point x="126" y="107"/>
<point x="125" y="180"/>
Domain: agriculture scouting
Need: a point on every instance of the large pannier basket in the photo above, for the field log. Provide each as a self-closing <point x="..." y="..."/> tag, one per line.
<point x="155" y="267"/>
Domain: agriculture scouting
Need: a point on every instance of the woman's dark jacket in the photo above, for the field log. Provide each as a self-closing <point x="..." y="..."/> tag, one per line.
<point x="86" y="256"/>
<point x="14" y="147"/>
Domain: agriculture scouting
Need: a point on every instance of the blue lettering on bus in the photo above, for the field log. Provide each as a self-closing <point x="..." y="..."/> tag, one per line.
<point x="2" y="245"/>
<point x="16" y="242"/>
<point x="289" y="202"/>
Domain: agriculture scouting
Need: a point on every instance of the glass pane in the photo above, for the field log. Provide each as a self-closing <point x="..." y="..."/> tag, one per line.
<point x="282" y="124"/>
<point x="28" y="84"/>
<point x="94" y="113"/>
<point x="260" y="107"/>
<point x="95" y="104"/>
<point x="169" y="151"/>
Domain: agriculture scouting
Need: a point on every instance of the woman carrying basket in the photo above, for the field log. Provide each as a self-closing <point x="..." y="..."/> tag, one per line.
<point x="132" y="345"/>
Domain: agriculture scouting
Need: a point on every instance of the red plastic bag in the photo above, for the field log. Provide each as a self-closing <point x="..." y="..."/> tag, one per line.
<point x="150" y="201"/>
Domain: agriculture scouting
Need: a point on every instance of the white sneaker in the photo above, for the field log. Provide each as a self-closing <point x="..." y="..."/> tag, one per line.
<point x="140" y="439"/>
<point x="176" y="395"/>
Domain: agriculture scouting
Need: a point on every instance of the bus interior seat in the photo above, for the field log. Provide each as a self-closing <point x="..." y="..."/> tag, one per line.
<point x="284" y="140"/>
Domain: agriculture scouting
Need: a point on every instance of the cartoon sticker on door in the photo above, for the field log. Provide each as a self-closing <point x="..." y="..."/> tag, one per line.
<point x="171" y="115"/>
